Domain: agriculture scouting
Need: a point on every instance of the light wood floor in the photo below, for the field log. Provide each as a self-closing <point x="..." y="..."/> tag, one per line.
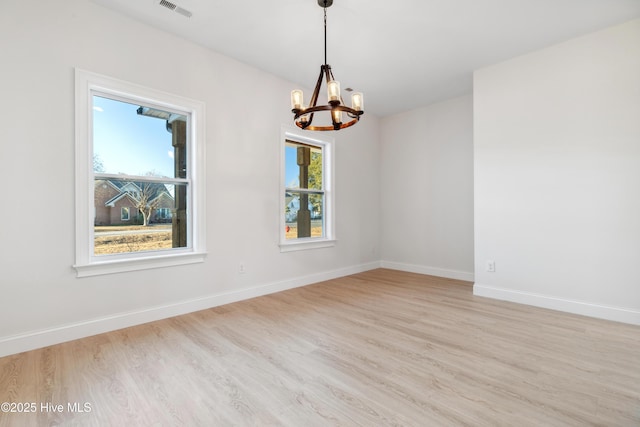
<point x="377" y="348"/>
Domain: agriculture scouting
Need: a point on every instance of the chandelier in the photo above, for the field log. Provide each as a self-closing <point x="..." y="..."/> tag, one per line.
<point x="303" y="116"/>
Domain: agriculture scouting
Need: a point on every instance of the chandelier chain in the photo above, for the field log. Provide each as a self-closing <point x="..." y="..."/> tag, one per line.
<point x="325" y="33"/>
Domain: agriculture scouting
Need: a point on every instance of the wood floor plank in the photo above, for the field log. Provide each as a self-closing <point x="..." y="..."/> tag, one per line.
<point x="377" y="348"/>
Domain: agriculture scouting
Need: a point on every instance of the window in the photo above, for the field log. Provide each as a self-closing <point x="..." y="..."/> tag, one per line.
<point x="307" y="199"/>
<point x="163" y="214"/>
<point x="139" y="177"/>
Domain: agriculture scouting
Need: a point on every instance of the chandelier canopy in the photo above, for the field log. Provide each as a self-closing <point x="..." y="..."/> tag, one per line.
<point x="303" y="116"/>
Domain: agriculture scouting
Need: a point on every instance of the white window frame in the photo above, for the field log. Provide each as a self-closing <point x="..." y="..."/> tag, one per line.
<point x="326" y="142"/>
<point x="122" y="211"/>
<point x="86" y="263"/>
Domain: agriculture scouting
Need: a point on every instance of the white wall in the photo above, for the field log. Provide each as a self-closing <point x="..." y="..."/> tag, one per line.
<point x="426" y="174"/>
<point x="41" y="300"/>
<point x="557" y="179"/>
<point x="557" y="176"/>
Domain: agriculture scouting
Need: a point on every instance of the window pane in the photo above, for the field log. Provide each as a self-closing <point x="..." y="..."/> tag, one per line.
<point x="137" y="140"/>
<point x="300" y="223"/>
<point x="304" y="161"/>
<point x="155" y="216"/>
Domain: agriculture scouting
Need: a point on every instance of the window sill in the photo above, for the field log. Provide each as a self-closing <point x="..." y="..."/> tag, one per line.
<point x="306" y="244"/>
<point x="135" y="264"/>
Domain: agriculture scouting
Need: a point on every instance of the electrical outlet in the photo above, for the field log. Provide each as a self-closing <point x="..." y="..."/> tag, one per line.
<point x="491" y="266"/>
<point x="242" y="269"/>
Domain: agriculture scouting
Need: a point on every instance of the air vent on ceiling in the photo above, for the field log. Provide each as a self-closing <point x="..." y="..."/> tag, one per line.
<point x="167" y="4"/>
<point x="175" y="8"/>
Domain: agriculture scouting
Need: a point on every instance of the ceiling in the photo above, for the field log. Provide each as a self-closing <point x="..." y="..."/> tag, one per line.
<point x="402" y="54"/>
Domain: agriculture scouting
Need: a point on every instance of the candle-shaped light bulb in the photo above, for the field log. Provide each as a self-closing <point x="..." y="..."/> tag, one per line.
<point x="296" y="99"/>
<point x="336" y="116"/>
<point x="333" y="89"/>
<point x="357" y="101"/>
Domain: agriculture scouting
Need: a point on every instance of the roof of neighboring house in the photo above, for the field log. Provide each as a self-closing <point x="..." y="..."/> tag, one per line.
<point x="111" y="202"/>
<point x="113" y="184"/>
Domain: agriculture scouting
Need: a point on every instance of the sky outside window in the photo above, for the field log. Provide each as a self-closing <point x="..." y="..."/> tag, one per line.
<point x="128" y="143"/>
<point x="292" y="170"/>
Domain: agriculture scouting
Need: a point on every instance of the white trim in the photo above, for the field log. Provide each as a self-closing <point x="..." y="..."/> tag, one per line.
<point x="86" y="264"/>
<point x="618" y="314"/>
<point x="431" y="271"/>
<point x="138" y="178"/>
<point x="59" y="334"/>
<point x="301" y="245"/>
<point x="144" y="261"/>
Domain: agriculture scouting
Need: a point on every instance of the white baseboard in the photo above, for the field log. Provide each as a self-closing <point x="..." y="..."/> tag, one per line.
<point x="56" y="335"/>
<point x="432" y="271"/>
<point x="617" y="314"/>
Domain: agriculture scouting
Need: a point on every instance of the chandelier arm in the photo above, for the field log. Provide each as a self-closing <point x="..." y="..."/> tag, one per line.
<point x="316" y="91"/>
<point x="314" y="97"/>
<point x="329" y="73"/>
